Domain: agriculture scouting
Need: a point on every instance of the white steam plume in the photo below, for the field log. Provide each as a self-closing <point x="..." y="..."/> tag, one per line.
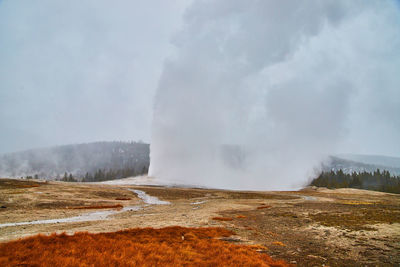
<point x="259" y="92"/>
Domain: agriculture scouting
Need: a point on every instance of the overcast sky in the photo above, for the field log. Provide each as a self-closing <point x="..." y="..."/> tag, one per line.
<point x="80" y="71"/>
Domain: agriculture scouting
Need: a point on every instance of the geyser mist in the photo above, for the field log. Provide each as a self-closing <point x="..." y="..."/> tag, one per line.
<point x="259" y="92"/>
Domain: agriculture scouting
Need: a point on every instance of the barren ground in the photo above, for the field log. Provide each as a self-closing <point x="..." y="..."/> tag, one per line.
<point x="312" y="227"/>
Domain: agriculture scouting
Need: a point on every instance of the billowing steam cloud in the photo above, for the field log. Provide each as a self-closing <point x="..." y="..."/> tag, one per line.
<point x="259" y="92"/>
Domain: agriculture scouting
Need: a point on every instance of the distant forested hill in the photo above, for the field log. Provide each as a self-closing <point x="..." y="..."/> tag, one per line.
<point x="371" y="172"/>
<point x="378" y="180"/>
<point x="103" y="160"/>
<point x="362" y="163"/>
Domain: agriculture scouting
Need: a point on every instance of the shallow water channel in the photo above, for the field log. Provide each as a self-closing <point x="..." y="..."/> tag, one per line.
<point x="97" y="215"/>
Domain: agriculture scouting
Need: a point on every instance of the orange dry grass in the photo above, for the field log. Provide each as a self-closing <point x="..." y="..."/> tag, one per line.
<point x="171" y="246"/>
<point x="241" y="217"/>
<point x="258" y="247"/>
<point x="279" y="243"/>
<point x="116" y="206"/>
<point x="264" y="207"/>
<point x="28" y="185"/>
<point x="222" y="219"/>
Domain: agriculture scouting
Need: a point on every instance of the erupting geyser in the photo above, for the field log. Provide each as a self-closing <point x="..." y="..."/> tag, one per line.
<point x="259" y="92"/>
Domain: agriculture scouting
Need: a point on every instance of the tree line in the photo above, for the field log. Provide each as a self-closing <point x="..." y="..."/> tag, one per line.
<point x="105" y="175"/>
<point x="378" y="180"/>
<point x="51" y="163"/>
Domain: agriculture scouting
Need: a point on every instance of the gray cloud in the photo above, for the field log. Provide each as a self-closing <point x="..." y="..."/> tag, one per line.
<point x="280" y="84"/>
<point x="74" y="71"/>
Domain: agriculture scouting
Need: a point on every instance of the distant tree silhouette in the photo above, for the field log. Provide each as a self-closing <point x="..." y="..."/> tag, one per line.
<point x="378" y="180"/>
<point x="68" y="178"/>
<point x="112" y="174"/>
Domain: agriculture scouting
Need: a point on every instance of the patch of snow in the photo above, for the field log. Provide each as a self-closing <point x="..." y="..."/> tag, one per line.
<point x="308" y="198"/>
<point x="148" y="180"/>
<point x="149" y="199"/>
<point x="138" y="180"/>
<point x="198" y="202"/>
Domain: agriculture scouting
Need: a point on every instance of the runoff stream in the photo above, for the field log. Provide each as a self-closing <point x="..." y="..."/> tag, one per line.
<point x="97" y="215"/>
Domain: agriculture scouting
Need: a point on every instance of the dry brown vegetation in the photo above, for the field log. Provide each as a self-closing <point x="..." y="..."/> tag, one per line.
<point x="355" y="217"/>
<point x="11" y="183"/>
<point x="123" y="198"/>
<point x="264" y="207"/>
<point x="257" y="195"/>
<point x="171" y="246"/>
<point x="222" y="219"/>
<point x="279" y="243"/>
<point x="116" y="206"/>
<point x="175" y="193"/>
